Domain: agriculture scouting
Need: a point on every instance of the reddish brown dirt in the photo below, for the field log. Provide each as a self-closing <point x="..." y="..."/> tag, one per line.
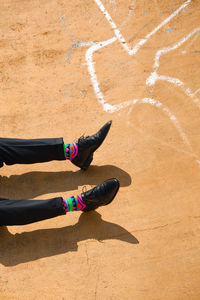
<point x="145" y="245"/>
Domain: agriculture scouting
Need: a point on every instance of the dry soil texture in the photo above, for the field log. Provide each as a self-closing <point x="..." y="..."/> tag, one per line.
<point x="67" y="67"/>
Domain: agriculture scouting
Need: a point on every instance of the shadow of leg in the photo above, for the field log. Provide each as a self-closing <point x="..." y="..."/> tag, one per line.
<point x="29" y="246"/>
<point x="33" y="184"/>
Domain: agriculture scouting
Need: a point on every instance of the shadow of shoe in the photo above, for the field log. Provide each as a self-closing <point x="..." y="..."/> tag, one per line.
<point x="29" y="246"/>
<point x="33" y="184"/>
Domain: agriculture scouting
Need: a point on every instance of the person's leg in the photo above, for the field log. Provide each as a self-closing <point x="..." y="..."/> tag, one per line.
<point x="29" y="151"/>
<point x="22" y="212"/>
<point x="24" y="151"/>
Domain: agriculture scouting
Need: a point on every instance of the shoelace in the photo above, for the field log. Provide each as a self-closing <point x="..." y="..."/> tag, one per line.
<point x="81" y="137"/>
<point x="84" y="189"/>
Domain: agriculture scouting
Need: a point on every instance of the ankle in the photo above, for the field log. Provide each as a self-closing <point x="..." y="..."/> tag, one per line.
<point x="70" y="151"/>
<point x="74" y="203"/>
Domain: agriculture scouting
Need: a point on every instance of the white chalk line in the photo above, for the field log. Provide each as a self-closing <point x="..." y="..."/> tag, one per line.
<point x="91" y="68"/>
<point x="154" y="76"/>
<point x="166" y="110"/>
<point x="192" y="41"/>
<point x="196" y="91"/>
<point x="90" y="43"/>
<point x="119" y="35"/>
<point x="93" y="76"/>
<point x="79" y="44"/>
<point x="113" y="108"/>
<point x="162" y="142"/>
<point x="93" y="48"/>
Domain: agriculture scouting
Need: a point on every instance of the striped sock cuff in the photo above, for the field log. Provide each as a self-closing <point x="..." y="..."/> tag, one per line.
<point x="71" y="151"/>
<point x="74" y="203"/>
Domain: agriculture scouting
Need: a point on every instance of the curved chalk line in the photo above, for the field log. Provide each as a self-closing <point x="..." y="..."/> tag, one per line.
<point x="90" y="43"/>
<point x="112" y="108"/>
<point x="89" y="53"/>
<point x="119" y="35"/>
<point x="154" y="76"/>
<point x="91" y="68"/>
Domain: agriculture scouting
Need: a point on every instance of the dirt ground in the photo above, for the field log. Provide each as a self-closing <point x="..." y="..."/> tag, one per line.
<point x="67" y="67"/>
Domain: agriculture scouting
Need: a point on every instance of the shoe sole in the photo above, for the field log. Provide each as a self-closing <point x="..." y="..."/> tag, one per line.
<point x="87" y="163"/>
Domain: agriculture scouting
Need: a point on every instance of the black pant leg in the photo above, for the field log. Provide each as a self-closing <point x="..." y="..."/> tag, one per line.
<point x="22" y="212"/>
<point x="25" y="151"/>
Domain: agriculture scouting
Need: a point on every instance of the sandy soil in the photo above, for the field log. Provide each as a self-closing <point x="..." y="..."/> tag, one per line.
<point x="145" y="245"/>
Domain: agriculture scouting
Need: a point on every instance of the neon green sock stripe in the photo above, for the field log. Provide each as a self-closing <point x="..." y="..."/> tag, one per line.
<point x="70" y="204"/>
<point x="64" y="146"/>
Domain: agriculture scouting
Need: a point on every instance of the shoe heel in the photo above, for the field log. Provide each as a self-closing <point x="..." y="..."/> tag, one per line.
<point x="87" y="163"/>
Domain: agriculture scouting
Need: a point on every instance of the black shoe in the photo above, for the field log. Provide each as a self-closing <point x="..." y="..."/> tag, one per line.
<point x="102" y="194"/>
<point x="87" y="146"/>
